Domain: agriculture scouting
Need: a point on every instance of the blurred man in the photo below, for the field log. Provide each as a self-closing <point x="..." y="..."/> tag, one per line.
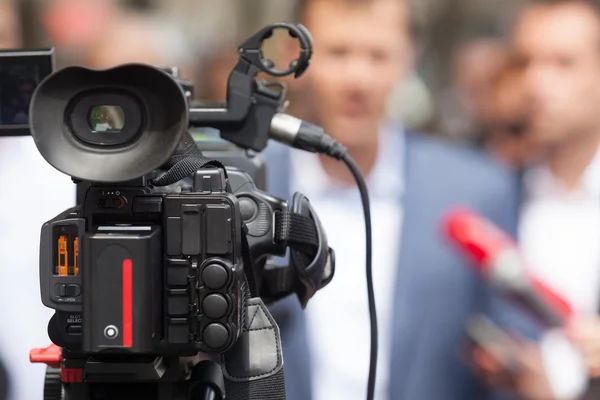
<point x="504" y="119"/>
<point x="214" y="73"/>
<point x="472" y="72"/>
<point x="557" y="49"/>
<point x="424" y="291"/>
<point x="102" y="34"/>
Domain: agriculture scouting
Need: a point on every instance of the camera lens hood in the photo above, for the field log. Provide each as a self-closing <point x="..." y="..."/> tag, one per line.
<point x="67" y="105"/>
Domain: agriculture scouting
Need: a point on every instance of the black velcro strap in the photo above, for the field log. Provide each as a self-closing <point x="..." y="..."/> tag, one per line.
<point x="298" y="231"/>
<point x="270" y="388"/>
<point x="186" y="160"/>
<point x="277" y="283"/>
<point x="249" y="267"/>
<point x="182" y="167"/>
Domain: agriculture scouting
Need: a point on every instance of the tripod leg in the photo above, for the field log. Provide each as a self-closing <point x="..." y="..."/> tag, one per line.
<point x="205" y="393"/>
<point x="206" y="382"/>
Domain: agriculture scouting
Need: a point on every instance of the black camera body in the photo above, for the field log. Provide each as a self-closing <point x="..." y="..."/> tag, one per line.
<point x="164" y="272"/>
<point x="165" y="257"/>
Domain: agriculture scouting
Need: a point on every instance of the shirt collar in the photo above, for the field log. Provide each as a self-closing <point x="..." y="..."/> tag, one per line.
<point x="540" y="182"/>
<point x="385" y="180"/>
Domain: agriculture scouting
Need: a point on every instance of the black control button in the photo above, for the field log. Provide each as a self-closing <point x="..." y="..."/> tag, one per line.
<point x="215" y="335"/>
<point x="178" y="302"/>
<point x="111" y="202"/>
<point x="214" y="276"/>
<point x="208" y="181"/>
<point x="218" y="220"/>
<point x="147" y="204"/>
<point x="215" y="306"/>
<point x="178" y="272"/>
<point x="74" y="329"/>
<point x="69" y="290"/>
<point x="191" y="229"/>
<point x="248" y="208"/>
<point x="178" y="331"/>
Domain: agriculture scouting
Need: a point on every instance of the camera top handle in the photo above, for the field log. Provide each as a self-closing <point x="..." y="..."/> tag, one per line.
<point x="246" y="117"/>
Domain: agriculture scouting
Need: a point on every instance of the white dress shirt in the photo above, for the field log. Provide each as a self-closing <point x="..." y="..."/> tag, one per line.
<point x="31" y="193"/>
<point x="338" y="317"/>
<point x="560" y="237"/>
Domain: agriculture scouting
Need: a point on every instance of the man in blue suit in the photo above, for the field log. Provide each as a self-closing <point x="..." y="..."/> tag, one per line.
<point x="424" y="291"/>
<point x="556" y="53"/>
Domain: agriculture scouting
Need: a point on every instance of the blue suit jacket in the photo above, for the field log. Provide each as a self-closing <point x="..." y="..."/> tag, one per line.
<point x="435" y="290"/>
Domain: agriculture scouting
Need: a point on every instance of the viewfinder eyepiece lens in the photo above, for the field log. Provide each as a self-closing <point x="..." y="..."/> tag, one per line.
<point x="106" y="118"/>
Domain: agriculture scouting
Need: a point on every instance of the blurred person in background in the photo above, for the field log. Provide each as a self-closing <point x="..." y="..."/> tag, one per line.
<point x="556" y="46"/>
<point x="25" y="179"/>
<point x="214" y="71"/>
<point x="504" y="119"/>
<point x="423" y="290"/>
<point x="103" y="33"/>
<point x="472" y="71"/>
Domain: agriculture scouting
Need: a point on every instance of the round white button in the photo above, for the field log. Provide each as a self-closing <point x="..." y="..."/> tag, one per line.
<point x="111" y="332"/>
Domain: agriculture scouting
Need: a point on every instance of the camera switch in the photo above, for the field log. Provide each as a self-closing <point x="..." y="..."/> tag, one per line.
<point x="74" y="329"/>
<point x="68" y="290"/>
<point x="111" y="202"/>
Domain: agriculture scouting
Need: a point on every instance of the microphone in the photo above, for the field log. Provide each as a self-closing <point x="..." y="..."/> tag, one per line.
<point x="498" y="261"/>
<point x="294" y="132"/>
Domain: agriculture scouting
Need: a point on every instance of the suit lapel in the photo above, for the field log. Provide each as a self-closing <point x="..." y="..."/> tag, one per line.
<point x="433" y="288"/>
<point x="409" y="285"/>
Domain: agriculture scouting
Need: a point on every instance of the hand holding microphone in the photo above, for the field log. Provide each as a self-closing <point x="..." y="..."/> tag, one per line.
<point x="552" y="368"/>
<point x="497" y="259"/>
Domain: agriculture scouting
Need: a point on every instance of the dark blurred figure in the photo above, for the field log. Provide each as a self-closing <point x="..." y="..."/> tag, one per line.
<point x="424" y="292"/>
<point x="473" y="69"/>
<point x="556" y="45"/>
<point x="15" y="110"/>
<point x="504" y="119"/>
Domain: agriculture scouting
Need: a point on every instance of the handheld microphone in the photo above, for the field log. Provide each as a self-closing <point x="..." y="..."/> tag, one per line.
<point x="498" y="261"/>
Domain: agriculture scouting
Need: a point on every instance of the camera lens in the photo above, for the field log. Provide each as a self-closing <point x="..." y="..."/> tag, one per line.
<point x="111" y="118"/>
<point x="106" y="118"/>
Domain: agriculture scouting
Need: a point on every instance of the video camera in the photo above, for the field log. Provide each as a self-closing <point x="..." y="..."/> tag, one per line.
<point x="164" y="261"/>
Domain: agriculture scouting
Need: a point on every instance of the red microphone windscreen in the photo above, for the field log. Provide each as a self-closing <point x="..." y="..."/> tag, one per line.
<point x="476" y="237"/>
<point x="485" y="244"/>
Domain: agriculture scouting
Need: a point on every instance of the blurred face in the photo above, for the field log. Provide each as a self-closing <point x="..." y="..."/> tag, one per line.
<point x="473" y="69"/>
<point x="358" y="58"/>
<point x="558" y="50"/>
<point x="505" y="122"/>
<point x="75" y="24"/>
